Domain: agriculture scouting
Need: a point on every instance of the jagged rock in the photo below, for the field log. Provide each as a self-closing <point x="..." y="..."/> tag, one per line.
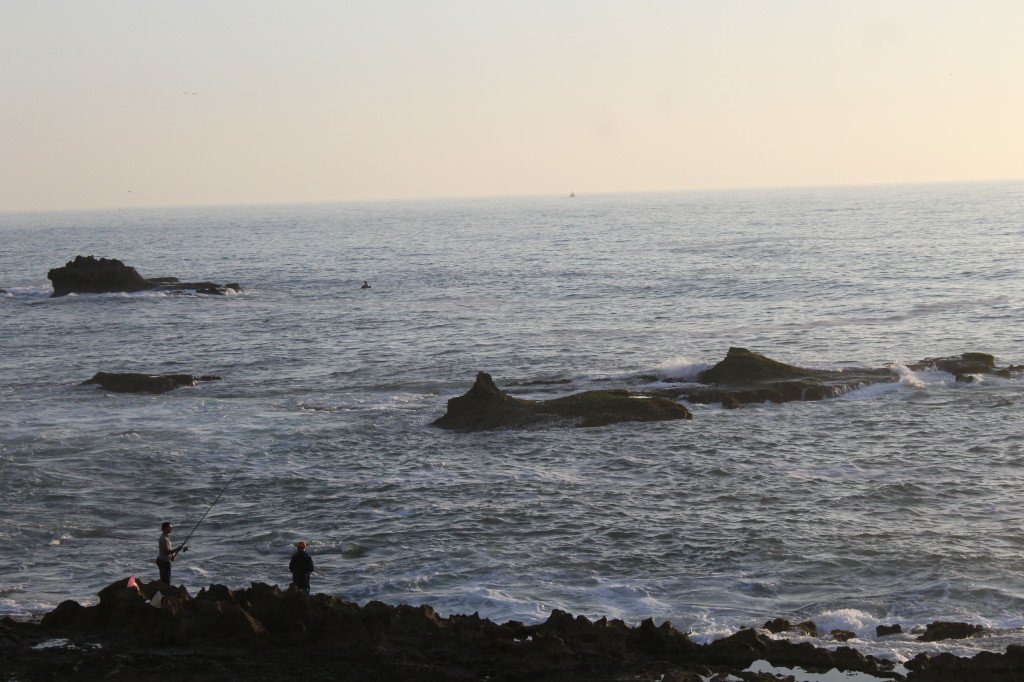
<point x="486" y="407"/>
<point x="741" y="366"/>
<point x="808" y="627"/>
<point x="91" y="275"/>
<point x="886" y="630"/>
<point x="130" y="382"/>
<point x="843" y="635"/>
<point x="268" y="633"/>
<point x="777" y="625"/>
<point x="949" y="630"/>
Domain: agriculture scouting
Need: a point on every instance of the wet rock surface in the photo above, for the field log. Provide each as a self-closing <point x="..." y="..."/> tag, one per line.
<point x="131" y="382"/>
<point x="91" y="275"/>
<point x="486" y="407"/>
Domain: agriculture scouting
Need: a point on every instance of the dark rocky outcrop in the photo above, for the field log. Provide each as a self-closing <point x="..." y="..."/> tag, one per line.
<point x="91" y="275"/>
<point x="985" y="665"/>
<point x="744" y="377"/>
<point x="886" y="630"/>
<point x="130" y="382"/>
<point x="265" y="633"/>
<point x="778" y="625"/>
<point x="965" y="363"/>
<point x="486" y="407"/>
<point x="940" y="630"/>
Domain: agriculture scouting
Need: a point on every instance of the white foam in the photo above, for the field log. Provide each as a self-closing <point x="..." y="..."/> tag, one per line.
<point x="869" y="392"/>
<point x="907" y="376"/>
<point x="853" y="620"/>
<point x="681" y="368"/>
<point x="26" y="293"/>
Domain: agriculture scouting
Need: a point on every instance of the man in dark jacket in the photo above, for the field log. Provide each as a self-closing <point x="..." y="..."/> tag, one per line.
<point x="301" y="566"/>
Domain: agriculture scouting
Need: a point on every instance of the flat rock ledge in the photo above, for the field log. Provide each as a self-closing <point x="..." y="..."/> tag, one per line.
<point x="132" y="382"/>
<point x="91" y="275"/>
<point x="745" y="377"/>
<point x="485" y="407"/>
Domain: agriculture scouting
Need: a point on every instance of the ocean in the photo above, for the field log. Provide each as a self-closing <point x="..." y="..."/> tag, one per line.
<point x="896" y="503"/>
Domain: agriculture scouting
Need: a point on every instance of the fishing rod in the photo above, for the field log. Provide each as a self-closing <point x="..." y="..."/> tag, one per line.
<point x="185" y="541"/>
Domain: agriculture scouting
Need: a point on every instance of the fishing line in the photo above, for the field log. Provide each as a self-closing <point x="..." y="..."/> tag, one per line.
<point x="185" y="541"/>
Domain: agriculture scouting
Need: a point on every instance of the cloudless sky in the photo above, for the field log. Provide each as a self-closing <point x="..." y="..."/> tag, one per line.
<point x="109" y="103"/>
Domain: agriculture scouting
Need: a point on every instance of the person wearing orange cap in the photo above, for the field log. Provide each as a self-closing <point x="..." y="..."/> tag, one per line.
<point x="301" y="567"/>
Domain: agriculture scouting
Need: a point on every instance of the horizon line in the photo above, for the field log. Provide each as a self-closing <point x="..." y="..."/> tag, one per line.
<point x="575" y="194"/>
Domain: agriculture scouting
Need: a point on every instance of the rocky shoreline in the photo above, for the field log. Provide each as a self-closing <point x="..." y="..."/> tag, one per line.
<point x="156" y="632"/>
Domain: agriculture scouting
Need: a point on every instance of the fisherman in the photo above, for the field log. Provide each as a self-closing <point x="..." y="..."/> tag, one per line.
<point x="301" y="566"/>
<point x="366" y="285"/>
<point x="167" y="552"/>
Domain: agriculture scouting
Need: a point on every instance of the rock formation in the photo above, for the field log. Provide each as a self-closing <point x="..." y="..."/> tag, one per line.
<point x="263" y="632"/>
<point x="152" y="631"/>
<point x="486" y="407"/>
<point x="90" y="275"/>
<point x="744" y="377"/>
<point x="144" y="383"/>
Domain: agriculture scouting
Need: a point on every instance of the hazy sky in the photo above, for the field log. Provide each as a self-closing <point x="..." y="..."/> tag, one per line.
<point x="145" y="103"/>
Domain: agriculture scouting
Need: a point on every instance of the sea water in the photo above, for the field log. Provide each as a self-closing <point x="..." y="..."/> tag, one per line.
<point x="898" y="503"/>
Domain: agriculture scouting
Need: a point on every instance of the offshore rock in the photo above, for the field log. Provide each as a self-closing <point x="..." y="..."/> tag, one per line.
<point x="777" y="625"/>
<point x="968" y="365"/>
<point x="745" y="377"/>
<point x="91" y="275"/>
<point x="485" y="407"/>
<point x="144" y="383"/>
<point x="940" y="630"/>
<point x="965" y="363"/>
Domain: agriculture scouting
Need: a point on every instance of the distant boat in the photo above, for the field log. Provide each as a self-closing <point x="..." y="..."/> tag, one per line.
<point x="572" y="195"/>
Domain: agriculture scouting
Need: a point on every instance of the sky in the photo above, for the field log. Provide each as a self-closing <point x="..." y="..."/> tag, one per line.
<point x="127" y="103"/>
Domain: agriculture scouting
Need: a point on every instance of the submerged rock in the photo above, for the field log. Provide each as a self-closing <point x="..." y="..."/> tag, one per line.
<point x="144" y="383"/>
<point x="486" y="407"/>
<point x="91" y="275"/>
